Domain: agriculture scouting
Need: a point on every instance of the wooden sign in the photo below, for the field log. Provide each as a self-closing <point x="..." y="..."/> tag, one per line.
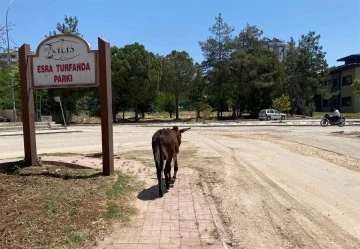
<point x="64" y="61"/>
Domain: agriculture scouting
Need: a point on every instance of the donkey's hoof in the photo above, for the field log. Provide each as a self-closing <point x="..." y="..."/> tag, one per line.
<point x="161" y="194"/>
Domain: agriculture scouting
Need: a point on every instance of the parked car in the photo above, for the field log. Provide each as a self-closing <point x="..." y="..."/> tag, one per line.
<point x="2" y="119"/>
<point x="269" y="114"/>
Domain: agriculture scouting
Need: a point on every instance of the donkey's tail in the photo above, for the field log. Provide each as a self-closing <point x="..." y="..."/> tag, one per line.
<point x="158" y="153"/>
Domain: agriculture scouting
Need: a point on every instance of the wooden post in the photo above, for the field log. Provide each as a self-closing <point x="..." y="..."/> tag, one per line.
<point x="104" y="69"/>
<point x="27" y="104"/>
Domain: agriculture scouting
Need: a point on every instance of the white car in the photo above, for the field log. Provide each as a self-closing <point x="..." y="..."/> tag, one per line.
<point x="269" y="114"/>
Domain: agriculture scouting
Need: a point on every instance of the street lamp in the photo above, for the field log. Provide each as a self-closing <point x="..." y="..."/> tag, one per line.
<point x="9" y="61"/>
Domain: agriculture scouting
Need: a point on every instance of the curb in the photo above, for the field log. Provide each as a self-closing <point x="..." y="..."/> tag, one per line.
<point x="41" y="132"/>
<point x="216" y="217"/>
<point x="247" y="124"/>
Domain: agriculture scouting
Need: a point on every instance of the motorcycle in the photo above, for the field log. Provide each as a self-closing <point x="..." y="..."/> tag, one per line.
<point x="326" y="121"/>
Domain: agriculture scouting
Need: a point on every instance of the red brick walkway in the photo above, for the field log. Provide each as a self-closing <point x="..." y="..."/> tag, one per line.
<point x="185" y="218"/>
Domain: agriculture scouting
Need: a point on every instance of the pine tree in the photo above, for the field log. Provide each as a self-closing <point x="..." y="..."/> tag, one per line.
<point x="217" y="50"/>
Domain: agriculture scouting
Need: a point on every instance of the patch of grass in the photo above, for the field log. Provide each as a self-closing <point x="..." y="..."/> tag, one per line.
<point x="120" y="187"/>
<point x="144" y="156"/>
<point x="54" y="206"/>
<point x="15" y="167"/>
<point x="348" y="115"/>
<point x="55" y="199"/>
<point x="73" y="212"/>
<point x="149" y="162"/>
<point x="112" y="211"/>
<point x="42" y="247"/>
<point x="75" y="239"/>
<point x="118" y="195"/>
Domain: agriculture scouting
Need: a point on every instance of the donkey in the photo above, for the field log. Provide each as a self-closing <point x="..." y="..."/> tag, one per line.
<point x="165" y="145"/>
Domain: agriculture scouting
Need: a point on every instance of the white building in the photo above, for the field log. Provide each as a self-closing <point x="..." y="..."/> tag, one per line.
<point x="14" y="56"/>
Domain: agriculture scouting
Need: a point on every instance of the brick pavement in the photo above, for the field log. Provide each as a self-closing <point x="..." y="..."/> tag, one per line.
<point x="185" y="218"/>
<point x="182" y="219"/>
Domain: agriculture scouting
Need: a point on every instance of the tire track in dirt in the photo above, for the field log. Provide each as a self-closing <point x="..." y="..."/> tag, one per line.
<point x="316" y="230"/>
<point x="267" y="215"/>
<point x="260" y="215"/>
<point x="303" y="149"/>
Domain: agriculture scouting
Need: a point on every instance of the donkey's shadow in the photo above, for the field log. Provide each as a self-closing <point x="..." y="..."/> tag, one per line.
<point x="152" y="193"/>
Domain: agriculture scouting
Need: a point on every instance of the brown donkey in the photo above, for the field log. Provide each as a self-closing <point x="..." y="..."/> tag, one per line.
<point x="165" y="145"/>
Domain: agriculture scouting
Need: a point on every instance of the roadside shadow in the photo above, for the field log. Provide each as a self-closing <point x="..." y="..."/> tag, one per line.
<point x="63" y="176"/>
<point x="20" y="169"/>
<point x="4" y="166"/>
<point x="152" y="193"/>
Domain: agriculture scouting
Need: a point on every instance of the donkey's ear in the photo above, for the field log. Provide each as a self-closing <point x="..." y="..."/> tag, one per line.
<point x="185" y="129"/>
<point x="175" y="128"/>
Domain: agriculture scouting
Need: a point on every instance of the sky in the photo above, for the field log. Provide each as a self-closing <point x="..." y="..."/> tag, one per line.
<point x="166" y="25"/>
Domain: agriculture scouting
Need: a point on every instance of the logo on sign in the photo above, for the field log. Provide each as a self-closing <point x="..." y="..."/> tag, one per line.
<point x="61" y="50"/>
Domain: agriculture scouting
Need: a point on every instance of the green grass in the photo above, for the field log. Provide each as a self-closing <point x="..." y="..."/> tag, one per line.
<point x="62" y="207"/>
<point x="75" y="238"/>
<point x="118" y="195"/>
<point x="348" y="115"/>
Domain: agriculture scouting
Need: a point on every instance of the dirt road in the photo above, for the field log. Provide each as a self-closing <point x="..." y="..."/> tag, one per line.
<point x="275" y="187"/>
<point x="273" y="192"/>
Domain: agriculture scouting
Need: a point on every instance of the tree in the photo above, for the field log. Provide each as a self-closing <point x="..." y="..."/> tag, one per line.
<point x="282" y="103"/>
<point x="217" y="50"/>
<point x="5" y="88"/>
<point x="265" y="80"/>
<point x="256" y="72"/>
<point x="2" y="38"/>
<point x="306" y="68"/>
<point x="249" y="39"/>
<point x="70" y="26"/>
<point x="178" y="72"/>
<point x="292" y="75"/>
<point x="137" y="72"/>
<point x="121" y="94"/>
<point x="240" y="71"/>
<point x="196" y="92"/>
<point x="356" y="85"/>
<point x="8" y="85"/>
<point x="166" y="102"/>
<point x="6" y="101"/>
<point x="312" y="64"/>
<point x="241" y="66"/>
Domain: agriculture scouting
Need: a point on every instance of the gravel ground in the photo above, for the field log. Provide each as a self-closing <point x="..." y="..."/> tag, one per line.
<point x="274" y="187"/>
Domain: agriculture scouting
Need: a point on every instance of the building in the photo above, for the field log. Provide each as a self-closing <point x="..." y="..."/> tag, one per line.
<point x="277" y="46"/>
<point x="340" y="80"/>
<point x="14" y="56"/>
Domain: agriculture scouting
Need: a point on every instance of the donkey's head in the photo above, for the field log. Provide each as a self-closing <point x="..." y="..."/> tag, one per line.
<point x="178" y="132"/>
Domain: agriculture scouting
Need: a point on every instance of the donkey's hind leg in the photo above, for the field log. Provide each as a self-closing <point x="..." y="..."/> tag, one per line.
<point x="175" y="166"/>
<point x="159" y="163"/>
<point x="167" y="172"/>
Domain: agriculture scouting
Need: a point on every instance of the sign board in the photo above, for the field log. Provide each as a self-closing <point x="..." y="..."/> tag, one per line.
<point x="46" y="119"/>
<point x="64" y="61"/>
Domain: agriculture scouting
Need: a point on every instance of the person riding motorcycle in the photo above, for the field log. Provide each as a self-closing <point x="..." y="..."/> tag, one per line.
<point x="335" y="116"/>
